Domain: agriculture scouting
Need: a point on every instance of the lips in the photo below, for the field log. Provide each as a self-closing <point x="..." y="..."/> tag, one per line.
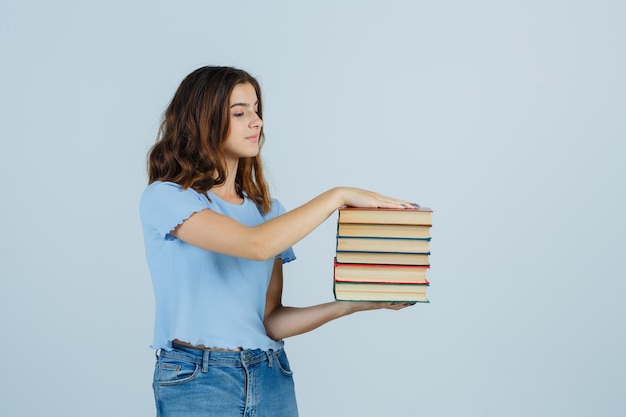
<point x="253" y="138"/>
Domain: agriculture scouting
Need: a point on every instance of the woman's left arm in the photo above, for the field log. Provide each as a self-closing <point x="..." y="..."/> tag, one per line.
<point x="282" y="322"/>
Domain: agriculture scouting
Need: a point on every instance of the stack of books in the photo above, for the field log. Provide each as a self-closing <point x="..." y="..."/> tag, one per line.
<point x="382" y="254"/>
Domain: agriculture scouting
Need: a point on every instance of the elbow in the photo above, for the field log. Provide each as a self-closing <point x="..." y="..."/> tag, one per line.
<point x="272" y="333"/>
<point x="260" y="249"/>
<point x="260" y="253"/>
<point x="272" y="324"/>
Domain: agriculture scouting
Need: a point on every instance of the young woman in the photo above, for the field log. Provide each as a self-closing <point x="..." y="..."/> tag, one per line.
<point x="215" y="244"/>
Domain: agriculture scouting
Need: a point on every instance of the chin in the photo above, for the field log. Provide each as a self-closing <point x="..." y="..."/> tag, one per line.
<point x="254" y="152"/>
<point x="250" y="155"/>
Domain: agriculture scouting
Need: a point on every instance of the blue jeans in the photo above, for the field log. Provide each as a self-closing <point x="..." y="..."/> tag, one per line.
<point x="191" y="382"/>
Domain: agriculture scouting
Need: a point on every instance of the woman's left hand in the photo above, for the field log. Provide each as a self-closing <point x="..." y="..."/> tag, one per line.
<point x="377" y="305"/>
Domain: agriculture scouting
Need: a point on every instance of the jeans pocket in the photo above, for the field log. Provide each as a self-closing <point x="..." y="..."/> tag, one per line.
<point x="283" y="363"/>
<point x="173" y="371"/>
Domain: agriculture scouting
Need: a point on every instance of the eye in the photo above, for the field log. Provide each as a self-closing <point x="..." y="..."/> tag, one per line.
<point x="238" y="114"/>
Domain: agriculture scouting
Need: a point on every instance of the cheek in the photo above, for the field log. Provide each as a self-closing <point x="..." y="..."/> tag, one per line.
<point x="237" y="125"/>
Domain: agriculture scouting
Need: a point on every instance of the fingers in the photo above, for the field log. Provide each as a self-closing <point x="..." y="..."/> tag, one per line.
<point x="388" y="202"/>
<point x="392" y="305"/>
<point x="383" y="201"/>
<point x="363" y="198"/>
<point x="398" y="305"/>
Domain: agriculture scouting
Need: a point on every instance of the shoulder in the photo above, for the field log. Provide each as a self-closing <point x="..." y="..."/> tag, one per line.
<point x="160" y="197"/>
<point x="162" y="189"/>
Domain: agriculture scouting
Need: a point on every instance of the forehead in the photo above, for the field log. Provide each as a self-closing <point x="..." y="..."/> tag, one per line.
<point x="243" y="94"/>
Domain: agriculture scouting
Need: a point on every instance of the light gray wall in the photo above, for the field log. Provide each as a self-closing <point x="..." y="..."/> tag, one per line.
<point x="506" y="117"/>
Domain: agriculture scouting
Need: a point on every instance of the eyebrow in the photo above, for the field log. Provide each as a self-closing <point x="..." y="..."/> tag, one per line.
<point x="244" y="104"/>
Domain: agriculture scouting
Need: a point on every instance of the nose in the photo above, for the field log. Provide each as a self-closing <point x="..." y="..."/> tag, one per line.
<point x="256" y="122"/>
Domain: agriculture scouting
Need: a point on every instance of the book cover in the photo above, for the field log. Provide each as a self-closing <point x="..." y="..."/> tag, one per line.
<point x="382" y="244"/>
<point x="375" y="273"/>
<point x="385" y="258"/>
<point x="410" y="216"/>
<point x="408" y="231"/>
<point x="379" y="292"/>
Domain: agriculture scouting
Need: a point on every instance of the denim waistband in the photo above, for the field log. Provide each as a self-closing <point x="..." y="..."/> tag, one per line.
<point x="218" y="357"/>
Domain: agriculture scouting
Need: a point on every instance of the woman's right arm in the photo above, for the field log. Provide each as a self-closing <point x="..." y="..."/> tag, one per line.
<point x="218" y="233"/>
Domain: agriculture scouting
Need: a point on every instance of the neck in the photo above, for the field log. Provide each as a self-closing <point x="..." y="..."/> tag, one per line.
<point x="227" y="190"/>
<point x="227" y="193"/>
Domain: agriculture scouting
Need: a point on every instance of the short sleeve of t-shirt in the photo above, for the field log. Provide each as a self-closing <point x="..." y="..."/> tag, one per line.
<point x="166" y="205"/>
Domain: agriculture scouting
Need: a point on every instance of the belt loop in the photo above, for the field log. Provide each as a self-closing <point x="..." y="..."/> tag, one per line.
<point x="269" y="354"/>
<point x="205" y="360"/>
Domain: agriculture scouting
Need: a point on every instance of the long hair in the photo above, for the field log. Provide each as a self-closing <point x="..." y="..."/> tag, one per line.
<point x="190" y="143"/>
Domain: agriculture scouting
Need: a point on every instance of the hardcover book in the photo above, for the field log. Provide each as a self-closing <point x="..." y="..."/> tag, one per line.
<point x="384" y="258"/>
<point x="414" y="216"/>
<point x="348" y="291"/>
<point x="384" y="230"/>
<point x="394" y="274"/>
<point x="376" y="244"/>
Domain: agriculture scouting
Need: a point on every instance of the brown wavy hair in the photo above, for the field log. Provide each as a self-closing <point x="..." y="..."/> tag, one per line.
<point x="190" y="143"/>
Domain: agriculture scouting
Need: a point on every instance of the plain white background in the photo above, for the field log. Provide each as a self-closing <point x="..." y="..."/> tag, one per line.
<point x="507" y="118"/>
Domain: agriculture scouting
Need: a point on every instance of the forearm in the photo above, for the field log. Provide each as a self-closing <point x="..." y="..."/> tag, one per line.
<point x="285" y="322"/>
<point x="282" y="232"/>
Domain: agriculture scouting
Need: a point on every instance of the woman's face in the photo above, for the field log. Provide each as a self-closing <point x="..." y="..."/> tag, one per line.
<point x="245" y="123"/>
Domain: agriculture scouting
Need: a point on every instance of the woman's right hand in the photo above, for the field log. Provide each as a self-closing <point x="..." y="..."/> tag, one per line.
<point x="356" y="197"/>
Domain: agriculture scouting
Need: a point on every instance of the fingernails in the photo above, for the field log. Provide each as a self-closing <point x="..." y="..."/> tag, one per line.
<point x="415" y="205"/>
<point x="409" y="303"/>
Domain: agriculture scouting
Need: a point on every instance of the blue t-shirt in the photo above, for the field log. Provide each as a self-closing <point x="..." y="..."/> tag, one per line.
<point x="203" y="297"/>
